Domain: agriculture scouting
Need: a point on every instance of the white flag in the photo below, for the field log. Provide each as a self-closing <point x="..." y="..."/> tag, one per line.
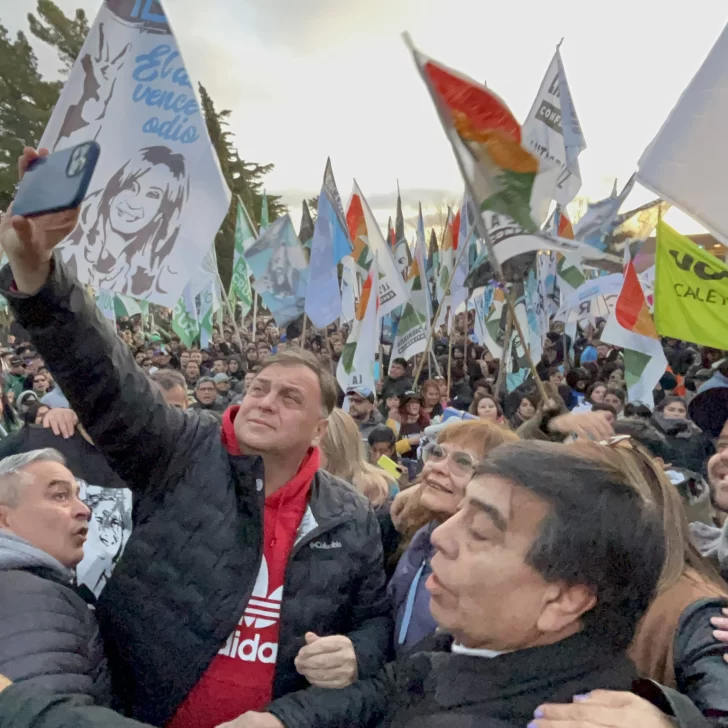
<point x="348" y="289"/>
<point x="368" y="243"/>
<point x="356" y="365"/>
<point x="687" y="162"/>
<point x="552" y="131"/>
<point x="157" y="197"/>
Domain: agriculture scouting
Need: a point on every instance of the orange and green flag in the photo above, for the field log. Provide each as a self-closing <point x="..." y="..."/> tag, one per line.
<point x="632" y="328"/>
<point x="486" y="139"/>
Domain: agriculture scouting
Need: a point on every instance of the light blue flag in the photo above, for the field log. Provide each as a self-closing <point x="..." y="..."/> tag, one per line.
<point x="278" y="263"/>
<point x="330" y="243"/>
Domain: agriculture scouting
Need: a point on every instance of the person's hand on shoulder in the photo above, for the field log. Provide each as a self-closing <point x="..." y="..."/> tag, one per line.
<point x="62" y="421"/>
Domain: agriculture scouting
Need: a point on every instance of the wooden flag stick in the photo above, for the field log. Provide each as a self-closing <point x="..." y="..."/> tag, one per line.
<point x="449" y="361"/>
<point x="442" y="303"/>
<point x="231" y="313"/>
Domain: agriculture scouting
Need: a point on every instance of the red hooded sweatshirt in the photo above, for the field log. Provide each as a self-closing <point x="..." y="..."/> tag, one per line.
<point x="240" y="677"/>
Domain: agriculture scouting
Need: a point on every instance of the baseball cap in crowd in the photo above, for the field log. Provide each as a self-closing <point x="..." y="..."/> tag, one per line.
<point x="218" y="378"/>
<point x="17" y="361"/>
<point x="363" y="392"/>
<point x="410" y="395"/>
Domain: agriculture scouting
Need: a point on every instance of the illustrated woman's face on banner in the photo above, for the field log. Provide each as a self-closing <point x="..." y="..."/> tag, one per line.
<point x="140" y="200"/>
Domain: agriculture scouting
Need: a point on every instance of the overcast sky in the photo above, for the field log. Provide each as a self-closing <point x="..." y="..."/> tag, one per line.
<point x="307" y="79"/>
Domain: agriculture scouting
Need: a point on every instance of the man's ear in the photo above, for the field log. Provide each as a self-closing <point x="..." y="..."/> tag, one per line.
<point x="4" y="517"/>
<point x="319" y="432"/>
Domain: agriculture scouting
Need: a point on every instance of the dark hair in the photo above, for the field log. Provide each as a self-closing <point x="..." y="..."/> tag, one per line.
<point x="618" y="393"/>
<point x="647" y="435"/>
<point x="399" y="360"/>
<point x="382" y="433"/>
<point x="473" y="409"/>
<point x="32" y="412"/>
<point x="660" y="407"/>
<point x="617" y="551"/>
<point x="637" y="409"/>
<point x="10" y="419"/>
<point x="602" y="407"/>
<point x="592" y="387"/>
<point x="573" y="376"/>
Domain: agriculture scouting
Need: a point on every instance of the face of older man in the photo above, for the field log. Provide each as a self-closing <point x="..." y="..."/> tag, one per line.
<point x="48" y="512"/>
<point x="482" y="589"/>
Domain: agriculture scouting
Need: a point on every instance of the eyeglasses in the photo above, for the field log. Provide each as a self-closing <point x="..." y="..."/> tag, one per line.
<point x="461" y="464"/>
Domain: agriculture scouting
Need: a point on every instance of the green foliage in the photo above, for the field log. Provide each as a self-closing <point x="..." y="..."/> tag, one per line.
<point x="65" y="34"/>
<point x="313" y="207"/>
<point x="245" y="179"/>
<point x="26" y="103"/>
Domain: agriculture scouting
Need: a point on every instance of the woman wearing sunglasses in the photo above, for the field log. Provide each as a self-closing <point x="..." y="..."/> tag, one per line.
<point x="448" y="466"/>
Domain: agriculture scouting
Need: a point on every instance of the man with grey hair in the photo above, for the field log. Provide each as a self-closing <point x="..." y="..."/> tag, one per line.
<point x="48" y="635"/>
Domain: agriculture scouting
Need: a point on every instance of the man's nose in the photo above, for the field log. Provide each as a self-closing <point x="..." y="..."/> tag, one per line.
<point x="444" y="537"/>
<point x="83" y="511"/>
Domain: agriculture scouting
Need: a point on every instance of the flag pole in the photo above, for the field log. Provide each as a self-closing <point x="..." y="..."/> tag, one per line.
<point x="255" y="314"/>
<point x="446" y="293"/>
<point x="465" y="343"/>
<point x="479" y="222"/>
<point x="303" y="331"/>
<point x="449" y="360"/>
<point x="503" y="363"/>
<point x="231" y="313"/>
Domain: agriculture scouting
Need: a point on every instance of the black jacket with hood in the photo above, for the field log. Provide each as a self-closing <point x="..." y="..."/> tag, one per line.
<point x="191" y="562"/>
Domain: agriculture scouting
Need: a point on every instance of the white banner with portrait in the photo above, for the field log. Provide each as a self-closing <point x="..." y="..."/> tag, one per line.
<point x="157" y="197"/>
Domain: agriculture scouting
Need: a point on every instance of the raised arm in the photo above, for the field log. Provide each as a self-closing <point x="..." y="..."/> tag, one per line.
<point x="124" y="414"/>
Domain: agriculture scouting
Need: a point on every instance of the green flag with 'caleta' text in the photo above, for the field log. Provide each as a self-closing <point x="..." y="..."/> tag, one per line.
<point x="691" y="291"/>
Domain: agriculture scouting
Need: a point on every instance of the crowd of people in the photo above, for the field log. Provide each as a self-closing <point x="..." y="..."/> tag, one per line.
<point x="222" y="537"/>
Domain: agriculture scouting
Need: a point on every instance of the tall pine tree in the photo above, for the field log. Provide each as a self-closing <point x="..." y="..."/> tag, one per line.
<point x="26" y="103"/>
<point x="65" y="34"/>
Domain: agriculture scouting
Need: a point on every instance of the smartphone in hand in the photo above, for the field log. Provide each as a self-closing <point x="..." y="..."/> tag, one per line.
<point x="57" y="182"/>
<point x="390" y="466"/>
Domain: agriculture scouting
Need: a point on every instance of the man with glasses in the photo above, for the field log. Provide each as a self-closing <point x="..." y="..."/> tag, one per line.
<point x="207" y="397"/>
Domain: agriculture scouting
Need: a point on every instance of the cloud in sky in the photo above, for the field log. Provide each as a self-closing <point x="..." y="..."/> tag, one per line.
<point x="308" y="79"/>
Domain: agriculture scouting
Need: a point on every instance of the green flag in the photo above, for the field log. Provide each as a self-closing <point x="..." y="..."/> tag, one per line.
<point x="691" y="291"/>
<point x="264" y="213"/>
<point x="184" y="320"/>
<point x="240" y="282"/>
<point x="209" y="304"/>
<point x="126" y="306"/>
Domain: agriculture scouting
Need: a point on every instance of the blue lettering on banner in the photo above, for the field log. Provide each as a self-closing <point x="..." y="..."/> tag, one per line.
<point x="164" y="63"/>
